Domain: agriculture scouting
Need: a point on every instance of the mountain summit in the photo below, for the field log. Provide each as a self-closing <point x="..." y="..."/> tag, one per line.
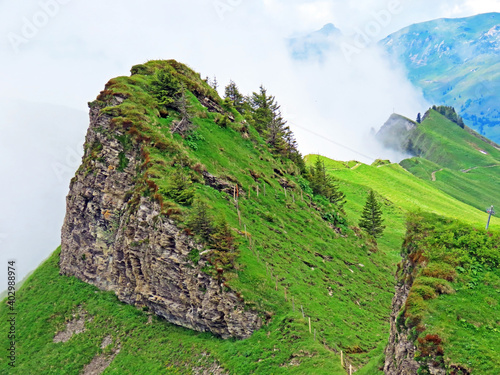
<point x="316" y="44"/>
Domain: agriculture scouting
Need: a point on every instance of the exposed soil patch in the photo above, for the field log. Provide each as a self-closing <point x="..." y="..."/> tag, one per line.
<point x="101" y="362"/>
<point x="73" y="327"/>
<point x="213" y="368"/>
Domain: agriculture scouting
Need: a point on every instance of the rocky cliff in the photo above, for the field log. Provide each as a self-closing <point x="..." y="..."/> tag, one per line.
<point x="400" y="352"/>
<point x="118" y="240"/>
<point x="414" y="347"/>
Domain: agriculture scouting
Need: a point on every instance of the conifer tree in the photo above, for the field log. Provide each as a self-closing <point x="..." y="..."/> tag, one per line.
<point x="264" y="113"/>
<point x="223" y="239"/>
<point x="185" y="108"/>
<point x="323" y="184"/>
<point x="166" y="88"/>
<point x="232" y="93"/>
<point x="371" y="218"/>
<point x="263" y="107"/>
<point x="180" y="188"/>
<point x="214" y="83"/>
<point x="275" y="133"/>
<point x="201" y="221"/>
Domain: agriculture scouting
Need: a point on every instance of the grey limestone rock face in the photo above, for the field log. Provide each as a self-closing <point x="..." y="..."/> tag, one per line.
<point x="400" y="352"/>
<point x="133" y="250"/>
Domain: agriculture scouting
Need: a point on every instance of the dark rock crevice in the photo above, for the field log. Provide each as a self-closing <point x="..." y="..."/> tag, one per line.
<point x="400" y="352"/>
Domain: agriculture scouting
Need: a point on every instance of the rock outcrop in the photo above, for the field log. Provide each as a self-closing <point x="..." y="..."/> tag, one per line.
<point x="119" y="241"/>
<point x="395" y="134"/>
<point x="400" y="352"/>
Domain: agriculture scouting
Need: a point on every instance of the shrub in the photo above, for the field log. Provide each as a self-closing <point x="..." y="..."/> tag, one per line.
<point x="414" y="309"/>
<point x="430" y="345"/>
<point x="180" y="189"/>
<point x="439" y="285"/>
<point x="440" y="270"/>
<point x="165" y="87"/>
<point x="424" y="291"/>
<point x="192" y="139"/>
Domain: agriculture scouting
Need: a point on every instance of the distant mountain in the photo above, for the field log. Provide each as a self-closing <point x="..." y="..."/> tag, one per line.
<point x="457" y="161"/>
<point x="394" y="134"/>
<point x="316" y="44"/>
<point x="455" y="62"/>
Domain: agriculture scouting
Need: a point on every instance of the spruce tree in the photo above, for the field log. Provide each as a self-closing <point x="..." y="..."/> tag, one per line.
<point x="201" y="221"/>
<point x="232" y="93"/>
<point x="223" y="239"/>
<point x="263" y="107"/>
<point x="165" y="88"/>
<point x="180" y="188"/>
<point x="371" y="218"/>
<point x="325" y="185"/>
<point x="264" y="113"/>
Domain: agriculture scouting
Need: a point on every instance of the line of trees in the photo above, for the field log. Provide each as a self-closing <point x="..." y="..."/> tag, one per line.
<point x="450" y="113"/>
<point x="263" y="112"/>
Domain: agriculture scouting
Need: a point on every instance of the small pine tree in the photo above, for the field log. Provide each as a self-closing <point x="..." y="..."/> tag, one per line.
<point x="232" y="93"/>
<point x="323" y="184"/>
<point x="180" y="189"/>
<point x="182" y="104"/>
<point x="166" y="88"/>
<point x="223" y="239"/>
<point x="214" y="83"/>
<point x="371" y="218"/>
<point x="201" y="221"/>
<point x="419" y="118"/>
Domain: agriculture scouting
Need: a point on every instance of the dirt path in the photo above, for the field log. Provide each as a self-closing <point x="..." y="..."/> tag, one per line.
<point x="433" y="177"/>
<point x="356" y="166"/>
<point x="471" y="169"/>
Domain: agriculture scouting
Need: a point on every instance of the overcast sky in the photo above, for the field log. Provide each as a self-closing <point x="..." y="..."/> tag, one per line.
<point x="56" y="55"/>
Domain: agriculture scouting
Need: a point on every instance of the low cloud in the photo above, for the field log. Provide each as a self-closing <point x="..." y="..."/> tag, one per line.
<point x="40" y="149"/>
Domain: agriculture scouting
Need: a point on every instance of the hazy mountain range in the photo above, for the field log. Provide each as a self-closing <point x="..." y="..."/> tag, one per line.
<point x="454" y="61"/>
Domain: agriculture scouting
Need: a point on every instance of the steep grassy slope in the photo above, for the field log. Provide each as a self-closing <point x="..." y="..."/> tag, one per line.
<point x="452" y="311"/>
<point x="457" y="161"/>
<point x="404" y="190"/>
<point x="443" y="142"/>
<point x="289" y="257"/>
<point x="291" y="263"/>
